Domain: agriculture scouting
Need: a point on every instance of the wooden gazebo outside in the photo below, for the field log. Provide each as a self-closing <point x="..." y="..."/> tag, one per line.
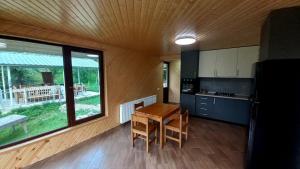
<point x="11" y="94"/>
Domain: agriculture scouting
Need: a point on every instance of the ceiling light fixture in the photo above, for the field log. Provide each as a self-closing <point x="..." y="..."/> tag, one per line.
<point x="92" y="55"/>
<point x="187" y="40"/>
<point x="3" y="45"/>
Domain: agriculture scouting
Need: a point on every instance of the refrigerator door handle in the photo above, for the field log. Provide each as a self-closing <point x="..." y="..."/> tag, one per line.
<point x="255" y="108"/>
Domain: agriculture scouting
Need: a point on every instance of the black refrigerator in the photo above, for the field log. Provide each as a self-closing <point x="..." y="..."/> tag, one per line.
<point x="274" y="132"/>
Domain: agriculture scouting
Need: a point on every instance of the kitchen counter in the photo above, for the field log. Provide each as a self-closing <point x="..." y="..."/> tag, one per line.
<point x="225" y="97"/>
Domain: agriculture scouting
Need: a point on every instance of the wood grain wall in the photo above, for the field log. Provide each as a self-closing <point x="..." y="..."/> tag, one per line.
<point x="128" y="75"/>
<point x="174" y="90"/>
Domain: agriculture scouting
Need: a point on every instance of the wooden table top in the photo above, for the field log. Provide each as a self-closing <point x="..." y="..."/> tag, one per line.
<point x="159" y="110"/>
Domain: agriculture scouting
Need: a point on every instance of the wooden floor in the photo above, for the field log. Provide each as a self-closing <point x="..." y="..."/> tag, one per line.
<point x="211" y="145"/>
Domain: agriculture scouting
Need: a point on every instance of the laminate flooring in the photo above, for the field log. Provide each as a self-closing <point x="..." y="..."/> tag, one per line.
<point x="210" y="145"/>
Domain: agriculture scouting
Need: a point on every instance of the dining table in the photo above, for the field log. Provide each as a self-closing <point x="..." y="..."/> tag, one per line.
<point x="158" y="112"/>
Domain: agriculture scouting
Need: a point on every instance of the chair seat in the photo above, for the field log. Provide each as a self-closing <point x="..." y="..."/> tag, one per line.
<point x="142" y="127"/>
<point x="175" y="125"/>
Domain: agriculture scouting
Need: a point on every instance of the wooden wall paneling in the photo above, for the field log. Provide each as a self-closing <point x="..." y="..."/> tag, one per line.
<point x="129" y="75"/>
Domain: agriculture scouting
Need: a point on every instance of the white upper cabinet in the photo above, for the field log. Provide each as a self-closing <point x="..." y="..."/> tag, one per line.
<point x="207" y="60"/>
<point x="226" y="62"/>
<point x="230" y="63"/>
<point x="246" y="59"/>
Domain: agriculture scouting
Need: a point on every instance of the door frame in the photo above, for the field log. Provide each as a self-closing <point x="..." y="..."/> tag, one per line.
<point x="166" y="89"/>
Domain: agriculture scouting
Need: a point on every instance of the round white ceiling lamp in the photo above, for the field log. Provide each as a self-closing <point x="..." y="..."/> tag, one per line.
<point x="3" y="45"/>
<point x="186" y="40"/>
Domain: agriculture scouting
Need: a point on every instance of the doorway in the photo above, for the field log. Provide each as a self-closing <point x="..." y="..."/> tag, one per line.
<point x="166" y="81"/>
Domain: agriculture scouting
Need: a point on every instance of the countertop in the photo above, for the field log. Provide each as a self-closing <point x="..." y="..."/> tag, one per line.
<point x="225" y="97"/>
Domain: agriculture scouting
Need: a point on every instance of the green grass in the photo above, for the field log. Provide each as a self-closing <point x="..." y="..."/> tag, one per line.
<point x="95" y="100"/>
<point x="41" y="119"/>
<point x="92" y="87"/>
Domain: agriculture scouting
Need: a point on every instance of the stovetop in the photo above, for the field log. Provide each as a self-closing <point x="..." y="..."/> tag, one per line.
<point x="224" y="94"/>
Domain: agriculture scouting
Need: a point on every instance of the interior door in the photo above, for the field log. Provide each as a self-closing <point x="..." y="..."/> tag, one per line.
<point x="166" y="81"/>
<point x="85" y="87"/>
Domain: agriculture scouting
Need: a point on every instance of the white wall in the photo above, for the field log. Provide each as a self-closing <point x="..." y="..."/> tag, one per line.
<point x="174" y="89"/>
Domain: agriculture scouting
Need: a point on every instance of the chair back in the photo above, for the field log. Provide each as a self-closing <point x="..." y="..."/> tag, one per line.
<point x="184" y="116"/>
<point x="139" y="105"/>
<point x="138" y="119"/>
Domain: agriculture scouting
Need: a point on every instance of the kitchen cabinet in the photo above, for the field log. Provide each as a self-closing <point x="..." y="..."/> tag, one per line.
<point x="247" y="57"/>
<point x="207" y="61"/>
<point x="187" y="101"/>
<point x="189" y="64"/>
<point x="204" y="106"/>
<point x="224" y="109"/>
<point x="228" y="63"/>
<point x="230" y="110"/>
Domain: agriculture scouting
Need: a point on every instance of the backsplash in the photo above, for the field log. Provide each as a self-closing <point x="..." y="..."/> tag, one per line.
<point x="238" y="86"/>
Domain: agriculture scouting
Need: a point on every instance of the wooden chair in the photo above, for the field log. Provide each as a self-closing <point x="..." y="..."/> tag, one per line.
<point x="139" y="105"/>
<point x="141" y="128"/>
<point x="178" y="123"/>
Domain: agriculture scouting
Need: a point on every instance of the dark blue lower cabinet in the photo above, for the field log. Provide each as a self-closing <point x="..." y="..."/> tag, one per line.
<point x="187" y="101"/>
<point x="204" y="106"/>
<point x="229" y="110"/>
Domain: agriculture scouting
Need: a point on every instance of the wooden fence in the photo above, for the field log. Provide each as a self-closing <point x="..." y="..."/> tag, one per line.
<point x="37" y="93"/>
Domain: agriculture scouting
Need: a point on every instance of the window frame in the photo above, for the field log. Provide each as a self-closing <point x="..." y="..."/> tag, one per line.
<point x="167" y="74"/>
<point x="67" y="51"/>
<point x="66" y="54"/>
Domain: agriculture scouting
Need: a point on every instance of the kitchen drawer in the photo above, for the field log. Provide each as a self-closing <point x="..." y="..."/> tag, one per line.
<point x="201" y="111"/>
<point x="204" y="106"/>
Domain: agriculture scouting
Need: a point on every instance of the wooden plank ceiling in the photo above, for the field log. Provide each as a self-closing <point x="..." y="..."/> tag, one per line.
<point x="149" y="25"/>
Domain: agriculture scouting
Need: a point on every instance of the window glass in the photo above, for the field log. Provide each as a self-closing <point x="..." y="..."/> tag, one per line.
<point x="86" y="81"/>
<point x="165" y="75"/>
<point x="32" y="90"/>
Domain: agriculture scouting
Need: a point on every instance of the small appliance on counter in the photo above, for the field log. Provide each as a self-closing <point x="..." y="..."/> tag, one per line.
<point x="189" y="85"/>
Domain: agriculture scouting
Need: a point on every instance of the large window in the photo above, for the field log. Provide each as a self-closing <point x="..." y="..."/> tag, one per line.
<point x="46" y="87"/>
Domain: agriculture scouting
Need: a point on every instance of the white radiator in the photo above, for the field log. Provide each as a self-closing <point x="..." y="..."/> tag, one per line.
<point x="126" y="109"/>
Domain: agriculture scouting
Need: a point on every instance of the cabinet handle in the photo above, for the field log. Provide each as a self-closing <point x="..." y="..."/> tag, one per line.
<point x="203" y="109"/>
<point x="203" y="98"/>
<point x="214" y="100"/>
<point x="204" y="103"/>
<point x="203" y="114"/>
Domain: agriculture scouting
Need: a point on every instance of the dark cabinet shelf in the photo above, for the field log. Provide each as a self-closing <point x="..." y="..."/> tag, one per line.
<point x="189" y="64"/>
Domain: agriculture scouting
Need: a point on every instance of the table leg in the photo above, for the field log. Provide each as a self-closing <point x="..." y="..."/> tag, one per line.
<point x="161" y="134"/>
